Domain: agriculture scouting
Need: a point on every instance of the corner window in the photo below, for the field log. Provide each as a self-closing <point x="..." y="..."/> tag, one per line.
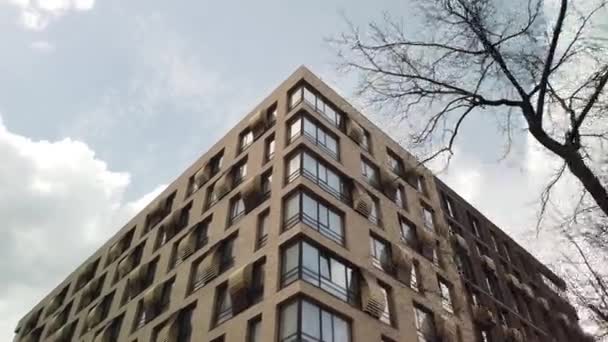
<point x="301" y="320"/>
<point x="327" y="111"/>
<point x="301" y="207"/>
<point x="303" y="261"/>
<point x="315" y="133"/>
<point x="305" y="164"/>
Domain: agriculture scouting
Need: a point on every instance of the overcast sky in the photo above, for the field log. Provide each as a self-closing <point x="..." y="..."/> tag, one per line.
<point x="102" y="103"/>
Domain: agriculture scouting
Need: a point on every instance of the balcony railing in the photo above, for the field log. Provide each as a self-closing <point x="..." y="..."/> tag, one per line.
<point x="314" y="224"/>
<point x="314" y="278"/>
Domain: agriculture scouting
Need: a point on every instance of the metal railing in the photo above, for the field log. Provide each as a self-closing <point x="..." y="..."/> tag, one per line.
<point x="314" y="224"/>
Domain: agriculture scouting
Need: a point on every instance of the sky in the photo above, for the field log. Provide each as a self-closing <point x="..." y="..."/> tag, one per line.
<point x="104" y="103"/>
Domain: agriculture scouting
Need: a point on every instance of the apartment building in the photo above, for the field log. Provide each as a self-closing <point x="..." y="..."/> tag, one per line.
<point x="307" y="223"/>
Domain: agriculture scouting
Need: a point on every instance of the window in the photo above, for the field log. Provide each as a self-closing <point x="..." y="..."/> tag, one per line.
<point x="400" y="198"/>
<point x="211" y="195"/>
<point x="425" y="324"/>
<point x="271" y="114"/>
<point x="448" y="205"/>
<point x="262" y="231"/>
<point x="200" y="232"/>
<point x="317" y="103"/>
<point x="386" y="314"/>
<point x="301" y="320"/>
<point x="113" y="329"/>
<point x="436" y="255"/>
<point x="266" y="183"/>
<point x="507" y="254"/>
<point x="156" y="216"/>
<point x="245" y="139"/>
<point x="120" y="247"/>
<point x="493" y="240"/>
<point x="237" y="209"/>
<point x="492" y="285"/>
<point x="304" y="163"/>
<point x="366" y="141"/>
<point x="104" y="309"/>
<point x="227" y="254"/>
<point x="315" y="133"/>
<point x="146" y="314"/>
<point x="168" y="230"/>
<point x="142" y="284"/>
<point x="184" y="325"/>
<point x="474" y="225"/>
<point x="239" y="172"/>
<point x="270" y="148"/>
<point x="256" y="292"/>
<point x="415" y="276"/>
<point x="216" y="162"/>
<point x="254" y="330"/>
<point x="395" y="163"/>
<point x="428" y="218"/>
<point x="303" y="261"/>
<point x="369" y="172"/>
<point x="374" y="214"/>
<point x="445" y="290"/>
<point x="301" y="207"/>
<point x="380" y="254"/>
<point x="408" y="232"/>
<point x="484" y="335"/>
<point x="421" y="184"/>
<point x="223" y="305"/>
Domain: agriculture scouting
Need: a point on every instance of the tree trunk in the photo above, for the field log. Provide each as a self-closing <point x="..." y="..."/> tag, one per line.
<point x="592" y="184"/>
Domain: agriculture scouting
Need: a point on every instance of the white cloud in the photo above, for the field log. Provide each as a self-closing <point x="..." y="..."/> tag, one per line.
<point x="37" y="15"/>
<point x="59" y="202"/>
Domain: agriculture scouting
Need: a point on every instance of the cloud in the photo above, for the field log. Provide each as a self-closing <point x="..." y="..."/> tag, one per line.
<point x="59" y="202"/>
<point x="37" y="15"/>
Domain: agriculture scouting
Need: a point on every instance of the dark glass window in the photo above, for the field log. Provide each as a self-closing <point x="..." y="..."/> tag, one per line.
<point x="319" y="268"/>
<point x="302" y="320"/>
<point x="308" y="165"/>
<point x="270" y="147"/>
<point x="301" y="207"/>
<point x="425" y="324"/>
<point x="321" y="106"/>
<point x="254" y="333"/>
<point x="315" y="133"/>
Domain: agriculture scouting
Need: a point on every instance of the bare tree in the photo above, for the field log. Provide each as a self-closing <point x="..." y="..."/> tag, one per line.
<point x="521" y="66"/>
<point x="524" y="67"/>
